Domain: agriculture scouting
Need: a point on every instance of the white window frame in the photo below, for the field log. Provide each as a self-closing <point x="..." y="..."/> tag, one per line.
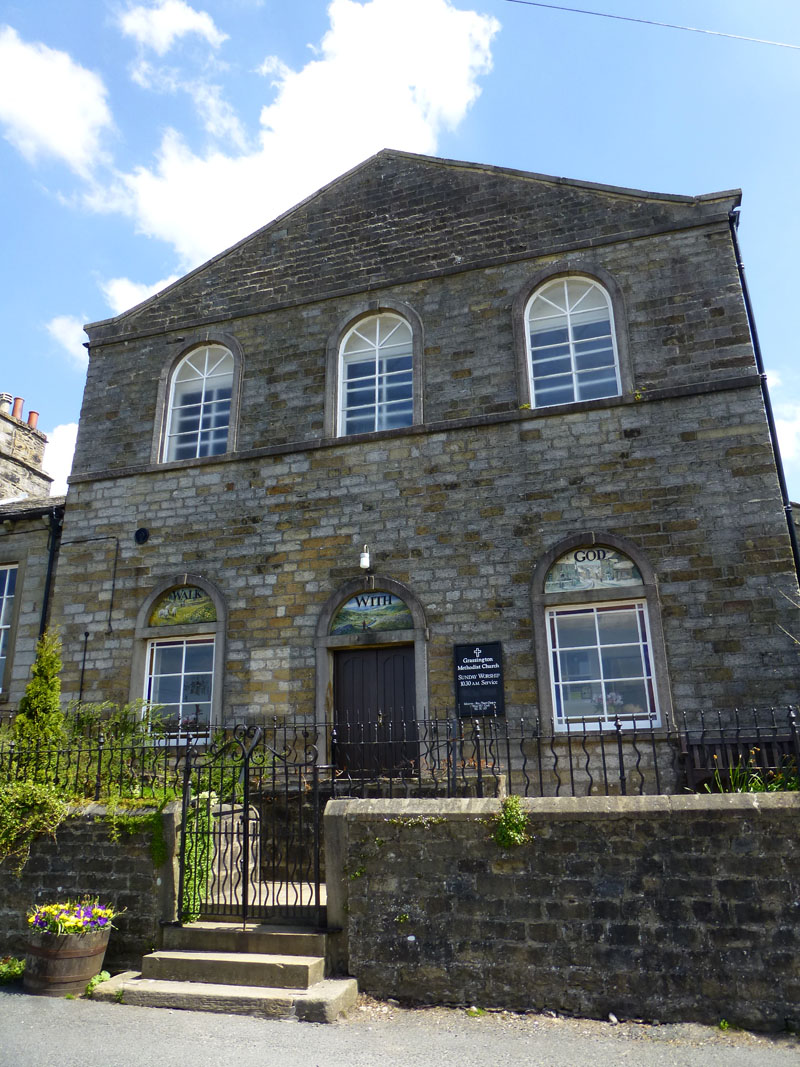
<point x="378" y="352"/>
<point x="6" y="615"/>
<point x="570" y="310"/>
<point x="611" y="710"/>
<point x="181" y="733"/>
<point x="211" y="355"/>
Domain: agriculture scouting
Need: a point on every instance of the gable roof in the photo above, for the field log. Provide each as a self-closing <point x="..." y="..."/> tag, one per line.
<point x="399" y="215"/>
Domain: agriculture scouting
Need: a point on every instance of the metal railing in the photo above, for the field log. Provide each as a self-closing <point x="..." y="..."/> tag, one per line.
<point x="436" y="757"/>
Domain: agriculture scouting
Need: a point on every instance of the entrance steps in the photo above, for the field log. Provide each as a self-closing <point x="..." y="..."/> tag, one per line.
<point x="277" y="972"/>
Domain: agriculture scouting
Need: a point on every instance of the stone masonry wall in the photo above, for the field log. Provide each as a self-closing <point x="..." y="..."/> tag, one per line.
<point x="461" y="517"/>
<point x="85" y="860"/>
<point x="24" y="541"/>
<point x="668" y="908"/>
<point x="21" y="454"/>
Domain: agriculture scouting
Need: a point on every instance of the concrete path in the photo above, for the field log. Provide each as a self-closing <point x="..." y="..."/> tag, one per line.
<point x="40" y="1032"/>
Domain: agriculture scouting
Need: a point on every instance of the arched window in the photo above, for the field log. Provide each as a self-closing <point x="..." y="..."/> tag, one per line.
<point x="199" y="411"/>
<point x="375" y="375"/>
<point x="572" y="349"/>
<point x="179" y="654"/>
<point x="599" y="648"/>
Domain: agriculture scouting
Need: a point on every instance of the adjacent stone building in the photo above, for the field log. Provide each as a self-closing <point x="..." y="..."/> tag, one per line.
<point x="532" y="403"/>
<point x="30" y="526"/>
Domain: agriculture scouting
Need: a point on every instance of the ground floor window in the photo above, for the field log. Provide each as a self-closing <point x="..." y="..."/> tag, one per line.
<point x="601" y="666"/>
<point x="8" y="584"/>
<point x="180" y="682"/>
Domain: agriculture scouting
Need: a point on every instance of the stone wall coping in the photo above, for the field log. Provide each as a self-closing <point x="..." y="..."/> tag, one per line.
<point x="565" y="808"/>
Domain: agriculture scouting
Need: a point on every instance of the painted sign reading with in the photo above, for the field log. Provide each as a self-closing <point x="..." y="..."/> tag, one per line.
<point x="479" y="679"/>
<point x="372" y="611"/>
<point x="182" y="605"/>
<point x="592" y="567"/>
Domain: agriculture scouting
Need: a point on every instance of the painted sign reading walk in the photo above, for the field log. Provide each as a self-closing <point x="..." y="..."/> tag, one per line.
<point x="479" y="679"/>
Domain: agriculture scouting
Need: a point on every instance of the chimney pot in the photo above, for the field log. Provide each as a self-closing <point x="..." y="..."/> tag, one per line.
<point x="5" y="403"/>
<point x="33" y="419"/>
<point x="18" y="402"/>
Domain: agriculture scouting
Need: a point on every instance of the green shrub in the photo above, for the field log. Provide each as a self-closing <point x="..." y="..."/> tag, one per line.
<point x="39" y="717"/>
<point x="27" y="810"/>
<point x="511" y="824"/>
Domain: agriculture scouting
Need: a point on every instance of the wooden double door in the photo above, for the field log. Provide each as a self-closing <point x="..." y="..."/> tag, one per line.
<point x="375" y="709"/>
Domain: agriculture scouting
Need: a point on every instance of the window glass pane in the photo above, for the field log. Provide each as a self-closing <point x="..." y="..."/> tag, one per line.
<point x="200" y="657"/>
<point x="398" y="363"/>
<point x="584" y="294"/>
<point x="576" y="630"/>
<point x="360" y="423"/>
<point x="546" y="365"/>
<point x="634" y="699"/>
<point x="587" y="328"/>
<point x="361" y="369"/>
<point x="555" y="391"/>
<point x="168" y="658"/>
<point x="580" y="665"/>
<point x="549" y="332"/>
<point x="395" y="417"/>
<point x="595" y="359"/>
<point x="596" y="387"/>
<point x="623" y="661"/>
<point x="618" y="627"/>
<point x="196" y="687"/>
<point x="166" y="689"/>
<point x="582" y="701"/>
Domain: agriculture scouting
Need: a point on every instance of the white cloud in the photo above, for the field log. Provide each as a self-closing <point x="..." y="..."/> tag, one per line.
<point x="58" y="453"/>
<point x="388" y="73"/>
<point x="158" y="27"/>
<point x="122" y="294"/>
<point x="50" y="105"/>
<point x="68" y="331"/>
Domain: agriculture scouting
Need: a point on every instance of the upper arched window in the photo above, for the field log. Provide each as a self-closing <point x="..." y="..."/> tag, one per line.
<point x="375" y="375"/>
<point x="571" y="343"/>
<point x="199" y="412"/>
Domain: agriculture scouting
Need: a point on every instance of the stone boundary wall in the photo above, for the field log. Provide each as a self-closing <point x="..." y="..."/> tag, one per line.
<point x="667" y="908"/>
<point x="84" y="859"/>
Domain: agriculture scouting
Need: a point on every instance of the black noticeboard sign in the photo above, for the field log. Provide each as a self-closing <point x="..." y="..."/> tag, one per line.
<point x="479" y="679"/>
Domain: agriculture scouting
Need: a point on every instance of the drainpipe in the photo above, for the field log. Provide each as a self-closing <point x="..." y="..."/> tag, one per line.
<point x="733" y="218"/>
<point x="52" y="549"/>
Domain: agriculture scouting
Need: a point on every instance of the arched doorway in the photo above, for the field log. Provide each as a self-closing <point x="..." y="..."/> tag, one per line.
<point x="372" y="675"/>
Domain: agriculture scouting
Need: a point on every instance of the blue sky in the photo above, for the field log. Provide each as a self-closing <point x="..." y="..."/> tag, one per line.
<point x="141" y="138"/>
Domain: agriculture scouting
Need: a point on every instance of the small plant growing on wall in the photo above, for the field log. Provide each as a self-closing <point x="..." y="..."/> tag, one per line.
<point x="511" y="824"/>
<point x="39" y="717"/>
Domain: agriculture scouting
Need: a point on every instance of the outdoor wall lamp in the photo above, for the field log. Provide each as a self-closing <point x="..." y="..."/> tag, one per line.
<point x="364" y="560"/>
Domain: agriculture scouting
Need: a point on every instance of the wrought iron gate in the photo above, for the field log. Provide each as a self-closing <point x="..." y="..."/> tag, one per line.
<point x="251" y="837"/>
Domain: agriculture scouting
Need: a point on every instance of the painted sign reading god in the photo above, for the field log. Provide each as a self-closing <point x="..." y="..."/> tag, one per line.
<point x="371" y="612"/>
<point x="591" y="567"/>
<point x="479" y="679"/>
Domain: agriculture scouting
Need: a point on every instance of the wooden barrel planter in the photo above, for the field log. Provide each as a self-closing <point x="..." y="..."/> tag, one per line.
<point x="57" y="964"/>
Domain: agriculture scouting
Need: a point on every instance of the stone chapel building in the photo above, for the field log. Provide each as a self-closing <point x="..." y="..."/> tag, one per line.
<point x="437" y="406"/>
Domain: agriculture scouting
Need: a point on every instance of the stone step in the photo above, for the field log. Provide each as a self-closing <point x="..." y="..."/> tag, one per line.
<point x="234" y="968"/>
<point x="252" y="937"/>
<point x="323" y="1003"/>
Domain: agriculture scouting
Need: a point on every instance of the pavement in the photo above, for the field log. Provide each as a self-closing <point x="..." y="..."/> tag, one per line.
<point x="45" y="1032"/>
